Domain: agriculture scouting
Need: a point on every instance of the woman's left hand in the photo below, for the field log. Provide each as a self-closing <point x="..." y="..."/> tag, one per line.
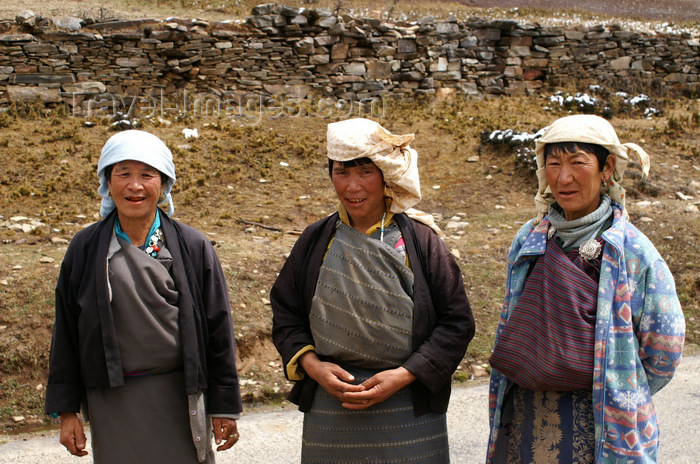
<point x="379" y="387"/>
<point x="225" y="430"/>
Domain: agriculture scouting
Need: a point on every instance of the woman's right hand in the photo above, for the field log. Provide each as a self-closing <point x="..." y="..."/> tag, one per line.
<point x="73" y="434"/>
<point x="333" y="378"/>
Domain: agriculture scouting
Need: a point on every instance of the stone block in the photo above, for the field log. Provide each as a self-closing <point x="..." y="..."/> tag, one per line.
<point x="354" y="68"/>
<point x="325" y="40"/>
<point x="378" y="69"/>
<point x="319" y="59"/>
<point x="407" y="46"/>
<point x="304" y="46"/>
<point x="263" y="9"/>
<point x="469" y="42"/>
<point x="385" y="50"/>
<point x="326" y="22"/>
<point x="621" y="63"/>
<point x="16" y="93"/>
<point x="40" y="48"/>
<point x="489" y="34"/>
<point x="513" y="71"/>
<point x="339" y="51"/>
<point x="519" y="50"/>
<point x="12" y="38"/>
<point x="408" y="76"/>
<point x="439" y="66"/>
<point x="131" y="62"/>
<point x="447" y="28"/>
<point x="39" y="78"/>
<point x="447" y="76"/>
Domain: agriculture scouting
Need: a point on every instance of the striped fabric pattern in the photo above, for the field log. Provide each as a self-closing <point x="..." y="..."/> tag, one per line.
<point x="547" y="343"/>
<point x="639" y="337"/>
<point x="362" y="310"/>
<point x="388" y="432"/>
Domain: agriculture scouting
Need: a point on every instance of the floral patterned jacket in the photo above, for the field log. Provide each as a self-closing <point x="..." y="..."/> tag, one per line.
<point x="640" y="331"/>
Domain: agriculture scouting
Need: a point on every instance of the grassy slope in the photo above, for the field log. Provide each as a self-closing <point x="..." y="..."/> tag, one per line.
<point x="48" y="173"/>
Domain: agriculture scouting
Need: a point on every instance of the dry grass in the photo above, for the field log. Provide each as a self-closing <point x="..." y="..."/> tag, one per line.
<point x="49" y="174"/>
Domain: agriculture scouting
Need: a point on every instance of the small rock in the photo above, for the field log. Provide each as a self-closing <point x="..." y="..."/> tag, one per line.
<point x="456" y="225"/>
<point x="455" y="253"/>
<point x="18" y="418"/>
<point x="643" y="204"/>
<point x="436" y="187"/>
<point x="58" y="240"/>
<point x="499" y="207"/>
<point x="668" y="237"/>
<point x="46" y="260"/>
<point x="39" y="387"/>
<point x="682" y="196"/>
<point x="479" y="372"/>
<point x="473" y="159"/>
<point x="283" y="164"/>
<point x="265" y="301"/>
<point x="645" y="219"/>
<point x="18" y="218"/>
<point x="262" y="181"/>
<point x="691" y="209"/>
<point x="16" y="267"/>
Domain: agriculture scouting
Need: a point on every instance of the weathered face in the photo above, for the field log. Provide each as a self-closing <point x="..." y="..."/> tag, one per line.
<point x="361" y="191"/>
<point x="576" y="180"/>
<point x="135" y="188"/>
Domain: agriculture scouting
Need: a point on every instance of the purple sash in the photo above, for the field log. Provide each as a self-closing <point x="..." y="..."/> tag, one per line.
<point x="547" y="343"/>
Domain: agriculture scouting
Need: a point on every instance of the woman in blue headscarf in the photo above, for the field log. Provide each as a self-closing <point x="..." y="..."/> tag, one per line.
<point x="143" y="338"/>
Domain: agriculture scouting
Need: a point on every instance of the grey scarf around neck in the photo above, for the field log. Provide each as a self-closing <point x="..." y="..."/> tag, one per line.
<point x="573" y="233"/>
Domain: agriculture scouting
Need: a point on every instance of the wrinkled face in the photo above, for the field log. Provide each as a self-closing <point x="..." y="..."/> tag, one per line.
<point x="576" y="180"/>
<point x="135" y="188"/>
<point x="361" y="191"/>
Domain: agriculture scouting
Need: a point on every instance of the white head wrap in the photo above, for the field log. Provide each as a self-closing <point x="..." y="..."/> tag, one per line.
<point x="363" y="138"/>
<point x="586" y="128"/>
<point x="135" y="145"/>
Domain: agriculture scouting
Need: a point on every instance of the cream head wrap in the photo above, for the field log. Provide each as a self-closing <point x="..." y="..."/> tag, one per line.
<point x="135" y="145"/>
<point x="586" y="128"/>
<point x="363" y="138"/>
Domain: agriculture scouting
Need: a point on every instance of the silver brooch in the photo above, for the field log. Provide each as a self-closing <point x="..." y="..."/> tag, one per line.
<point x="590" y="249"/>
<point x="551" y="232"/>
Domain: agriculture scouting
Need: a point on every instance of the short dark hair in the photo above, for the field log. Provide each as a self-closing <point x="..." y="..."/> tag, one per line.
<point x="348" y="164"/>
<point x="108" y="174"/>
<point x="600" y="152"/>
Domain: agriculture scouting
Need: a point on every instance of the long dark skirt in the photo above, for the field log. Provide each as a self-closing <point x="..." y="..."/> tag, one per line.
<point x="145" y="421"/>
<point x="546" y="428"/>
<point x="387" y="432"/>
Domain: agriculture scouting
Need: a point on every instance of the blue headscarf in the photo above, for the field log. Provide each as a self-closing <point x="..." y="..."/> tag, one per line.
<point x="135" y="145"/>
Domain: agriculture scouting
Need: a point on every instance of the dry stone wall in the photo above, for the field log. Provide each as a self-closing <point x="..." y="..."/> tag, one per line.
<point x="281" y="50"/>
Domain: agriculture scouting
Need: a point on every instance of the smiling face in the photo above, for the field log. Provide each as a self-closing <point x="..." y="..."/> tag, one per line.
<point x="575" y="179"/>
<point x="360" y="188"/>
<point x="135" y="188"/>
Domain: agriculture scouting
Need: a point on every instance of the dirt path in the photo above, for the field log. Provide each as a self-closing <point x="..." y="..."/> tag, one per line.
<point x="659" y="10"/>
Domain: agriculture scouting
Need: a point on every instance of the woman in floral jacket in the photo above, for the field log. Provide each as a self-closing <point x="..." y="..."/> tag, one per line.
<point x="591" y="326"/>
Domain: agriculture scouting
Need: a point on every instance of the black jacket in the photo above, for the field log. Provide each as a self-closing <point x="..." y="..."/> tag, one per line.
<point x="84" y="348"/>
<point x="443" y="324"/>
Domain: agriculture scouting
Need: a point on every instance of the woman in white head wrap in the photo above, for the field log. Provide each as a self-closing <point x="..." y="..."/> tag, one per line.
<point x="591" y="325"/>
<point x="370" y="313"/>
<point x="143" y="334"/>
